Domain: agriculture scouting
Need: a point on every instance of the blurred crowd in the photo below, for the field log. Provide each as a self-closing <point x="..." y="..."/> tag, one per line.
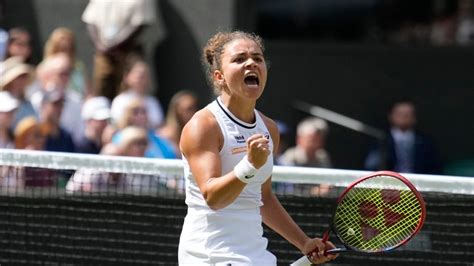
<point x="57" y="106"/>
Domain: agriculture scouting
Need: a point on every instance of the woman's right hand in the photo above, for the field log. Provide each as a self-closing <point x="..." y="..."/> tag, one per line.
<point x="258" y="149"/>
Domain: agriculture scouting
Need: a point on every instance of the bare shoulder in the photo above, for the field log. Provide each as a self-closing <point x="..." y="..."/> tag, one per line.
<point x="201" y="131"/>
<point x="270" y="124"/>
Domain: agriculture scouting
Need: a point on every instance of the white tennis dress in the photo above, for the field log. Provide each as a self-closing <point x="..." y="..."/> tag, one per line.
<point x="232" y="235"/>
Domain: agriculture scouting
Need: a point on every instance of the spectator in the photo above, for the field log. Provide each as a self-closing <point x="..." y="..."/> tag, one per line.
<point x="57" y="138"/>
<point x="16" y="76"/>
<point x="133" y="143"/>
<point x="181" y="108"/>
<point x="8" y="105"/>
<point x="10" y="176"/>
<point x="54" y="73"/>
<point x="95" y="114"/>
<point x="310" y="141"/>
<point x="311" y="134"/>
<point x="406" y="150"/>
<point x="28" y="134"/>
<point x="136" y="114"/>
<point x="114" y="27"/>
<point x="465" y="22"/>
<point x="19" y="44"/>
<point x="136" y="82"/>
<point x="62" y="40"/>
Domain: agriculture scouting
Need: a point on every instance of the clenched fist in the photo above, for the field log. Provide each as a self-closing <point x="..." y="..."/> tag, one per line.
<point x="258" y="149"/>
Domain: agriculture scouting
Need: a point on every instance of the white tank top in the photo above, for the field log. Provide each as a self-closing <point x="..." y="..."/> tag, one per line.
<point x="235" y="133"/>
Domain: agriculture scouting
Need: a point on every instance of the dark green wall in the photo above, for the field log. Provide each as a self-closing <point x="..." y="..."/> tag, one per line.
<point x="361" y="81"/>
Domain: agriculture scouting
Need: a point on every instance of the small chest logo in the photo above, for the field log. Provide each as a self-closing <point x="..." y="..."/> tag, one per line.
<point x="240" y="139"/>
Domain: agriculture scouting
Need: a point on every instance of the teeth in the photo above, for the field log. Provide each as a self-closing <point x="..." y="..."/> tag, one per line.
<point x="251" y="75"/>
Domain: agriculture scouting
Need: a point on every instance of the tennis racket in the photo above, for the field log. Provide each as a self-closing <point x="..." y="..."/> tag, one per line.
<point x="376" y="213"/>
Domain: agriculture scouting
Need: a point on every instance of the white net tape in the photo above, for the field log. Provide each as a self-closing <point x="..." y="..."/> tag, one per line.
<point x="336" y="177"/>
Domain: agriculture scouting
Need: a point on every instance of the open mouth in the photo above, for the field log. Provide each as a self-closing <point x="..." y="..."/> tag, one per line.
<point x="251" y="80"/>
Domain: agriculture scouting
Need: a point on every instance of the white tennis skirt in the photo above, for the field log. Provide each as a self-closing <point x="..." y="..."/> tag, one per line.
<point x="224" y="237"/>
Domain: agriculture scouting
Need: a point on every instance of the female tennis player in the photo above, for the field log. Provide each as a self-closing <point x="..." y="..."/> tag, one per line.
<point x="227" y="152"/>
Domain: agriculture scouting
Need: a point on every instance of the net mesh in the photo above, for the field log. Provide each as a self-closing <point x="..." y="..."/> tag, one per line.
<point x="60" y="208"/>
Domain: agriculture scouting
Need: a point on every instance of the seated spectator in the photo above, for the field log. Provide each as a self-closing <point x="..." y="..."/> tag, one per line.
<point x="54" y="73"/>
<point x="136" y="82"/>
<point x="310" y="141"/>
<point x="133" y="143"/>
<point x="309" y="151"/>
<point x="8" y="105"/>
<point x="181" y="108"/>
<point x="136" y="114"/>
<point x="62" y="40"/>
<point x="95" y="114"/>
<point x="57" y="138"/>
<point x="16" y="76"/>
<point x="28" y="134"/>
<point x="19" y="44"/>
<point x="406" y="150"/>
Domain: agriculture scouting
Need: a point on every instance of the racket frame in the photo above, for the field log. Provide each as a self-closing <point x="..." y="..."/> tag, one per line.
<point x="362" y="179"/>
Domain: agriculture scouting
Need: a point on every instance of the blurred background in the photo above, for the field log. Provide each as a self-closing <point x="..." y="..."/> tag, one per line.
<point x="354" y="57"/>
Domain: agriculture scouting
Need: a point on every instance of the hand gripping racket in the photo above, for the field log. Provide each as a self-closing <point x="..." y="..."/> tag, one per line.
<point x="376" y="213"/>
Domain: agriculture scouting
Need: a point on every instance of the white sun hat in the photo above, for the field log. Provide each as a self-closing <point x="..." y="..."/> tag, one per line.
<point x="7" y="102"/>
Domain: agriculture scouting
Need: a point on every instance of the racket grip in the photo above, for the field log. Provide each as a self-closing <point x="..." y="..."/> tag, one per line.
<point x="303" y="261"/>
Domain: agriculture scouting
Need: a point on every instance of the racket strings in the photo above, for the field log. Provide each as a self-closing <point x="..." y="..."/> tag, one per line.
<point x="377" y="214"/>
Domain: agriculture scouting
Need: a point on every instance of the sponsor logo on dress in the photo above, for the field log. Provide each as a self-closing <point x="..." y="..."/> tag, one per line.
<point x="239" y="149"/>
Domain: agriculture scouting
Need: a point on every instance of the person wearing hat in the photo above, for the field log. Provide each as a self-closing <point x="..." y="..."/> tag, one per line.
<point x="8" y="105"/>
<point x="28" y="134"/>
<point x="95" y="114"/>
<point x="10" y="176"/>
<point x="16" y="76"/>
<point x="57" y="138"/>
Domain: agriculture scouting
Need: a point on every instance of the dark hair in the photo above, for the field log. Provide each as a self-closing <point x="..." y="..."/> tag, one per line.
<point x="402" y="100"/>
<point x="214" y="48"/>
<point x="130" y="62"/>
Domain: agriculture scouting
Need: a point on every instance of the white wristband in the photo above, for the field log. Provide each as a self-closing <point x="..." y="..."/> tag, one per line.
<point x="244" y="170"/>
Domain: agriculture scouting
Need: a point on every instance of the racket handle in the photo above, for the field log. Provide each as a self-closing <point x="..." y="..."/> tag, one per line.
<point x="303" y="261"/>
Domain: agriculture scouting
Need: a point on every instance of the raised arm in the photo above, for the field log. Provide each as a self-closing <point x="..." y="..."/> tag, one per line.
<point x="201" y="141"/>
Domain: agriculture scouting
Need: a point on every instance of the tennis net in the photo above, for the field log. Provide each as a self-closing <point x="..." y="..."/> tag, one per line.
<point x="96" y="209"/>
